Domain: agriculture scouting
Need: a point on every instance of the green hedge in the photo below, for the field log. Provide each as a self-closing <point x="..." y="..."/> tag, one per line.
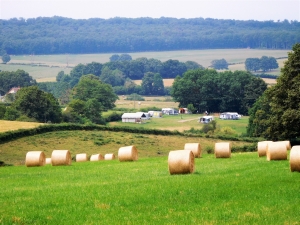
<point x="11" y="135"/>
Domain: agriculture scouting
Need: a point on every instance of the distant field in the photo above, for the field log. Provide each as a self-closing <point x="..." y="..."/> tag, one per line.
<point x="63" y="62"/>
<point x="6" y="125"/>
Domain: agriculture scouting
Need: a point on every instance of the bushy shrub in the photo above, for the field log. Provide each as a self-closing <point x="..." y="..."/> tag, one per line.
<point x="24" y="118"/>
<point x="209" y="149"/>
<point x="114" y="116"/>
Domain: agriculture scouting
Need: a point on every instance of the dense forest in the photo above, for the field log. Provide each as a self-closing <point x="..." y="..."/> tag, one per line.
<point x="58" y="35"/>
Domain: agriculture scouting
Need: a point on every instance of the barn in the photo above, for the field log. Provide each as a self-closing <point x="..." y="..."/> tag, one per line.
<point x="133" y="117"/>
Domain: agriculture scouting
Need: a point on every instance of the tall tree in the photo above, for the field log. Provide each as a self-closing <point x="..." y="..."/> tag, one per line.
<point x="209" y="90"/>
<point x="158" y="85"/>
<point x="36" y="104"/>
<point x="90" y="87"/>
<point x="252" y="64"/>
<point x="5" y="58"/>
<point x="284" y="100"/>
<point x="219" y="64"/>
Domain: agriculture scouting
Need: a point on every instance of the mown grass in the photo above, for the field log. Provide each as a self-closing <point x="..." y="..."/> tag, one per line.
<point x="244" y="189"/>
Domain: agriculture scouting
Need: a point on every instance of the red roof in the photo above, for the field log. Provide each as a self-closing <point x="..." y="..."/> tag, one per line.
<point x="14" y="90"/>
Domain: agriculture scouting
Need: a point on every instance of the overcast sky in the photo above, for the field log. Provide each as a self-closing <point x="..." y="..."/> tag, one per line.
<point x="220" y="9"/>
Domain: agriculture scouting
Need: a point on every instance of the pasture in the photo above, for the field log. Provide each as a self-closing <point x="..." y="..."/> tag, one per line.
<point x="243" y="189"/>
<point x="47" y="66"/>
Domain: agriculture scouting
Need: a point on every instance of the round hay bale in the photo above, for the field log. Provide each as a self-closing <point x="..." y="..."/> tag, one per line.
<point x="48" y="160"/>
<point x="195" y="148"/>
<point x="96" y="157"/>
<point x="276" y="151"/>
<point x="82" y="157"/>
<point x="181" y="162"/>
<point x="262" y="148"/>
<point x="109" y="156"/>
<point x="35" y="158"/>
<point x="223" y="150"/>
<point x="61" y="157"/>
<point x="287" y="144"/>
<point x="295" y="158"/>
<point x="128" y="153"/>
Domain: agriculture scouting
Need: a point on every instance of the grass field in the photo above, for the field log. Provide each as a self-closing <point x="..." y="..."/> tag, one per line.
<point x="63" y="62"/>
<point x="244" y="189"/>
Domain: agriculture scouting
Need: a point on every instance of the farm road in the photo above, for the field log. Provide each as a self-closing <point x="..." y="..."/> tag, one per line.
<point x="182" y="121"/>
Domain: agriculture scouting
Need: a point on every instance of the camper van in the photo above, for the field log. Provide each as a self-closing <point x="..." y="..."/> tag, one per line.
<point x="206" y="119"/>
<point x="169" y="111"/>
<point x="230" y="116"/>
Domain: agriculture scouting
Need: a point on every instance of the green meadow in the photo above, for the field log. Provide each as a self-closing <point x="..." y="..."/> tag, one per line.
<point x="243" y="189"/>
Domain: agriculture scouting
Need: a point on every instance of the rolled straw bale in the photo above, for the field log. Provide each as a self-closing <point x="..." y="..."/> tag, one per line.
<point x="96" y="157"/>
<point x="195" y="148"/>
<point x="276" y="151"/>
<point x="35" y="158"/>
<point x="48" y="160"/>
<point x="223" y="150"/>
<point x="109" y="156"/>
<point x="61" y="157"/>
<point x="128" y="153"/>
<point x="262" y="148"/>
<point x="295" y="158"/>
<point x="181" y="162"/>
<point x="287" y="143"/>
<point x="82" y="157"/>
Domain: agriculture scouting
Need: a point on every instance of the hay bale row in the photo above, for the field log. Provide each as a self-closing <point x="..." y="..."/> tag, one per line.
<point x="38" y="158"/>
<point x="35" y="158"/>
<point x="262" y="148"/>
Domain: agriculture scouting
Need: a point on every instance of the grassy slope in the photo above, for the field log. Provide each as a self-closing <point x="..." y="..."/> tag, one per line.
<point x="94" y="142"/>
<point x="244" y="189"/>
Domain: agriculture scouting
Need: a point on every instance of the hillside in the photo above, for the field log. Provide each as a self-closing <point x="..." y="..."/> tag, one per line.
<point x="59" y="35"/>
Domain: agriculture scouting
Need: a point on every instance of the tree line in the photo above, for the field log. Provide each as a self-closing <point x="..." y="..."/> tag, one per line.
<point x="59" y="35"/>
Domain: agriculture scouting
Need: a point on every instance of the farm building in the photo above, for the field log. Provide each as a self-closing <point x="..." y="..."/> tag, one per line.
<point x="133" y="117"/>
<point x="230" y="116"/>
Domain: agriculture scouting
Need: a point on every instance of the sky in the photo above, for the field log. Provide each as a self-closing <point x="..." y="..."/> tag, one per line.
<point x="261" y="10"/>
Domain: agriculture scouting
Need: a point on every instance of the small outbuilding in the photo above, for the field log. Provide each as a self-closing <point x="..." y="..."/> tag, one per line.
<point x="133" y="117"/>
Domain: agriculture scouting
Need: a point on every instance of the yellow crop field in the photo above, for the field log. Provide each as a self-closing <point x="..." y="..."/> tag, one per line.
<point x="6" y="125"/>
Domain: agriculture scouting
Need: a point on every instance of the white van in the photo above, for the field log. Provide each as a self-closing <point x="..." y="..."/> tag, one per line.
<point x="206" y="119"/>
